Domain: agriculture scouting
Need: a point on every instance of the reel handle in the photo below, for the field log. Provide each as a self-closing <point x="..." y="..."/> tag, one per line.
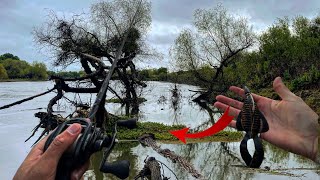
<point x="130" y="123"/>
<point x="119" y="168"/>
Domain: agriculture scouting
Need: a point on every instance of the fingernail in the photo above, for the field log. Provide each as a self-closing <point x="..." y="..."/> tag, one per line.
<point x="73" y="129"/>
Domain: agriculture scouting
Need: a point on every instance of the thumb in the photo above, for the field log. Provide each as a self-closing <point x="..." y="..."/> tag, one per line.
<point x="61" y="142"/>
<point x="281" y="89"/>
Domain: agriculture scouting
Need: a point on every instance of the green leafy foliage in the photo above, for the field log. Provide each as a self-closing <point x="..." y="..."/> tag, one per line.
<point x="307" y="80"/>
<point x="292" y="53"/>
<point x="160" y="74"/>
<point x="38" y="71"/>
<point x="16" y="68"/>
<point x="19" y="69"/>
<point x="8" y="56"/>
<point x="287" y="49"/>
<point x="3" y="72"/>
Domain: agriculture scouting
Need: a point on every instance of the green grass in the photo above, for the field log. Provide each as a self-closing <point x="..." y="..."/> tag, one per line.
<point x="161" y="133"/>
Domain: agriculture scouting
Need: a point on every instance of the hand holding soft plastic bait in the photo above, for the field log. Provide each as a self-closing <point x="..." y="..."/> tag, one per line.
<point x="293" y="125"/>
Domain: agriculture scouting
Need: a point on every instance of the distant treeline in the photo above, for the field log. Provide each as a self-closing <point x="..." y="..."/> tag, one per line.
<point x="67" y="74"/>
<point x="12" y="67"/>
<point x="181" y="77"/>
<point x="162" y="74"/>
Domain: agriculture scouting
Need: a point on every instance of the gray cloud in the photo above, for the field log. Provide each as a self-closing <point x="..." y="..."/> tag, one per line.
<point x="181" y="11"/>
<point x="177" y="12"/>
<point x="18" y="18"/>
<point x="5" y="4"/>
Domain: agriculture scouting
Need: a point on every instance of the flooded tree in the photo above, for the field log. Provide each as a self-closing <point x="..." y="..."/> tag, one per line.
<point x="91" y="41"/>
<point x="217" y="39"/>
<point x="105" y="44"/>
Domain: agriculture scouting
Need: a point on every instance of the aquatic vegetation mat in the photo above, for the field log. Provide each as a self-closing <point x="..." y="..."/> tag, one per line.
<point x="161" y="132"/>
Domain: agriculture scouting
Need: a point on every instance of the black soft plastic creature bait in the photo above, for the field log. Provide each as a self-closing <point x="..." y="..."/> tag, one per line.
<point x="252" y="121"/>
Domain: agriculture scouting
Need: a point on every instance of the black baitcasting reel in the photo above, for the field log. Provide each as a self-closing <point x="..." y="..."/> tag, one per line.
<point x="88" y="142"/>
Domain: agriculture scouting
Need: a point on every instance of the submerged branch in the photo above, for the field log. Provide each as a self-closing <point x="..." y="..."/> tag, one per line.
<point x="27" y="99"/>
<point x="54" y="100"/>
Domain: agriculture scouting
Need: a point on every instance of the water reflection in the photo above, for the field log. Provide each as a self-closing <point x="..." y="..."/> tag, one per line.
<point x="170" y="104"/>
<point x="122" y="151"/>
<point x="175" y="104"/>
<point x="215" y="160"/>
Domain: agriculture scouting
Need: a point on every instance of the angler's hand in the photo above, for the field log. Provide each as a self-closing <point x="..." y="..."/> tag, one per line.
<point x="43" y="165"/>
<point x="292" y="123"/>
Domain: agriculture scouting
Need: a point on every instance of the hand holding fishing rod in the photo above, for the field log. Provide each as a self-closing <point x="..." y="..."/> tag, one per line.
<point x="90" y="140"/>
<point x="65" y="152"/>
<point x="42" y="165"/>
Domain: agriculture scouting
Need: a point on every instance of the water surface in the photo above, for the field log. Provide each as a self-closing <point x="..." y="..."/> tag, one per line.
<point x="215" y="160"/>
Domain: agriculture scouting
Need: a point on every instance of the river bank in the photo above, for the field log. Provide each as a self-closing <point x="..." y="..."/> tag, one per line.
<point x="22" y="80"/>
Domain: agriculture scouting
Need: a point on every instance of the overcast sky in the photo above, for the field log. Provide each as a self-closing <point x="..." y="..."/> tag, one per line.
<point x="169" y="17"/>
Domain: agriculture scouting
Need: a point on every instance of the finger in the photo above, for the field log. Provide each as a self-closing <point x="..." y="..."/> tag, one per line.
<point x="229" y="101"/>
<point x="240" y="92"/>
<point x="78" y="173"/>
<point x="237" y="90"/>
<point x="37" y="150"/>
<point x="281" y="89"/>
<point x="62" y="142"/>
<point x="232" y="111"/>
<point x="42" y="142"/>
<point x="232" y="124"/>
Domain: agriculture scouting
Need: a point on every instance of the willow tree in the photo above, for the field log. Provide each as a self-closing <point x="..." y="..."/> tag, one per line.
<point x="215" y="40"/>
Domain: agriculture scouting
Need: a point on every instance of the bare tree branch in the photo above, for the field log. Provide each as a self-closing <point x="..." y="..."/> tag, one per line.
<point x="27" y="99"/>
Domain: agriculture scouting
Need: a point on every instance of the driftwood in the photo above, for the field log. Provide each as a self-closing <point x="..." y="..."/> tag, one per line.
<point x="151" y="170"/>
<point x="149" y="140"/>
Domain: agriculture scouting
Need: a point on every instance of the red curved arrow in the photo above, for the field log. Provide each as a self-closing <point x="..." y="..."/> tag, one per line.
<point x="222" y="123"/>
